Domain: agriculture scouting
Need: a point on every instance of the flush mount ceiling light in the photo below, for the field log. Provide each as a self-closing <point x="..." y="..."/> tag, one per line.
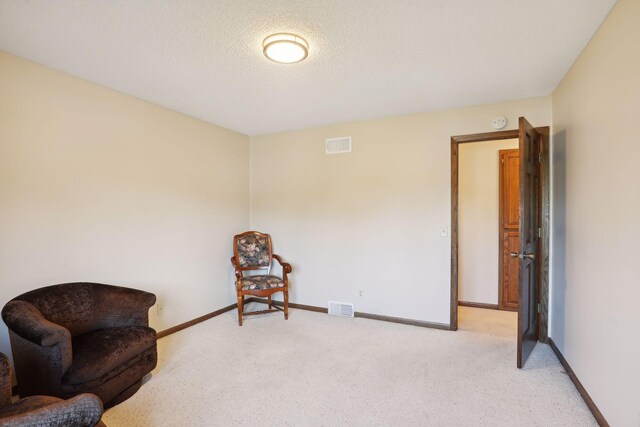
<point x="285" y="48"/>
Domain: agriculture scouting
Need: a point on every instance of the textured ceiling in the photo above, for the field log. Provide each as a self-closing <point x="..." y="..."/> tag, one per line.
<point x="367" y="58"/>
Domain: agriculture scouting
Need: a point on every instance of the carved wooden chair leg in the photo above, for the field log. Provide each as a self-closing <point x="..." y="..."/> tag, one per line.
<point x="269" y="302"/>
<point x="240" y="308"/>
<point x="286" y="304"/>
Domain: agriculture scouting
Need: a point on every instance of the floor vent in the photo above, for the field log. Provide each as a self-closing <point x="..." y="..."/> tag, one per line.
<point x="341" y="308"/>
<point x="338" y="145"/>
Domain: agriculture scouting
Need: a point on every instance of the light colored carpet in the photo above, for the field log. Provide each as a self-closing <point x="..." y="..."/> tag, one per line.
<point x="320" y="370"/>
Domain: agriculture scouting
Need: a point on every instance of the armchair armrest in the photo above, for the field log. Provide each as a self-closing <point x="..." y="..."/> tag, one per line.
<point x="84" y="410"/>
<point x="5" y="380"/>
<point x="286" y="267"/>
<point x="127" y="297"/>
<point x="119" y="306"/>
<point x="236" y="267"/>
<point x="27" y="321"/>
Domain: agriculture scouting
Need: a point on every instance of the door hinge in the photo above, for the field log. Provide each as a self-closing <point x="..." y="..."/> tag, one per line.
<point x="540" y="232"/>
<point x="539" y="157"/>
<point x="538" y="308"/>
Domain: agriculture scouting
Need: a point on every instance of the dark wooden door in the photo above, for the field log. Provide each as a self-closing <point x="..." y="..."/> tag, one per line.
<point x="527" y="254"/>
<point x="509" y="234"/>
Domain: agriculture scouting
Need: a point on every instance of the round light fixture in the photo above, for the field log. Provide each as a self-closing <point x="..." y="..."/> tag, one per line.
<point x="285" y="48"/>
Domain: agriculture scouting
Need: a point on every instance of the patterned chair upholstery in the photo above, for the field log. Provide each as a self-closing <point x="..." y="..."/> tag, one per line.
<point x="252" y="251"/>
<point x="84" y="410"/>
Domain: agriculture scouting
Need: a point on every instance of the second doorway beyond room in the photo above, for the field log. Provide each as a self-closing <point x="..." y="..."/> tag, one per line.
<point x="488" y="224"/>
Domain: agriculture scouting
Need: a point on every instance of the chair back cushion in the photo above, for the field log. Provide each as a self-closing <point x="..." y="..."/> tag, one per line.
<point x="252" y="250"/>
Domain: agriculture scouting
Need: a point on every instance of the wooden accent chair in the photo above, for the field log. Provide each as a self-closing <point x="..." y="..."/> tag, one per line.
<point x="252" y="251"/>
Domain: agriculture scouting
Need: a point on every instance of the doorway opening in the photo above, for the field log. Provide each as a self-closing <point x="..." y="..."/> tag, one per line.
<point x="488" y="230"/>
<point x="532" y="253"/>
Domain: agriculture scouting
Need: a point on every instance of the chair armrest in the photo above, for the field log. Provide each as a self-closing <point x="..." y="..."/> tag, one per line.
<point x="25" y="320"/>
<point x="5" y="380"/>
<point x="286" y="267"/>
<point x="127" y="297"/>
<point x="119" y="306"/>
<point x="84" y="410"/>
<point x="236" y="267"/>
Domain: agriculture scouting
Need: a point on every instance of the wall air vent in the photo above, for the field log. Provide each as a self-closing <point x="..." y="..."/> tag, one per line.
<point x="341" y="309"/>
<point x="338" y="145"/>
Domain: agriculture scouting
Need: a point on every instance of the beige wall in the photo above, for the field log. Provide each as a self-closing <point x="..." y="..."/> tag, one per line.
<point x="371" y="219"/>
<point x="596" y="287"/>
<point x="99" y="186"/>
<point x="478" y="220"/>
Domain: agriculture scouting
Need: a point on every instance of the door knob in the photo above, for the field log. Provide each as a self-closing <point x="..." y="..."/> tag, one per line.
<point x="513" y="254"/>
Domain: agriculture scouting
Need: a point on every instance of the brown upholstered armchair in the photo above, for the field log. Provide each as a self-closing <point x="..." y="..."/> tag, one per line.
<point x="253" y="251"/>
<point x="83" y="410"/>
<point x="81" y="338"/>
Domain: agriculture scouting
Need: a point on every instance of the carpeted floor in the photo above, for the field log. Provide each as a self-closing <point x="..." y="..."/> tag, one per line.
<point x="321" y="370"/>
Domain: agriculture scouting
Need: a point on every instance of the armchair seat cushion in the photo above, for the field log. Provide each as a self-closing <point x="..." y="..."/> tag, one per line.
<point x="261" y="282"/>
<point x="100" y="352"/>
